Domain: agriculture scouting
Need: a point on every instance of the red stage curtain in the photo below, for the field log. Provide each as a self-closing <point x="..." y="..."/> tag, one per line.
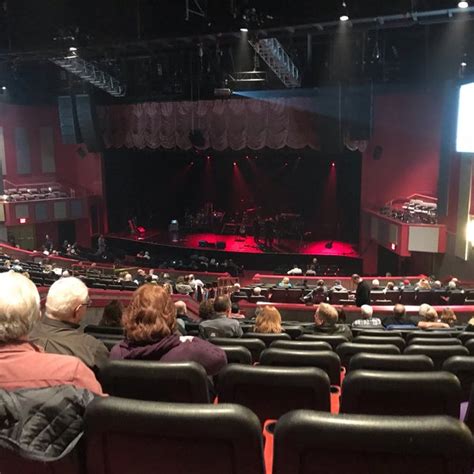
<point x="226" y="124"/>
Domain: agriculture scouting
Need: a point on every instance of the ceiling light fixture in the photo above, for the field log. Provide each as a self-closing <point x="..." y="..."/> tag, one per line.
<point x="463" y="4"/>
<point x="344" y="12"/>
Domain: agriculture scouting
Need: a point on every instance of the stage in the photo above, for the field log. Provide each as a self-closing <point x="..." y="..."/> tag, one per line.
<point x="240" y="248"/>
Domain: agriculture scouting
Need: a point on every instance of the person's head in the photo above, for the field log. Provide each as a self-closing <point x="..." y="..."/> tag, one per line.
<point x="326" y="315"/>
<point x="356" y="278"/>
<point x="150" y="316"/>
<point x="141" y="272"/>
<point x="222" y="305"/>
<point x="257" y="291"/>
<point x="452" y="285"/>
<point x="406" y="282"/>
<point x="341" y="315"/>
<point x="206" y="309"/>
<point x="424" y="284"/>
<point x="399" y="311"/>
<point x="268" y="320"/>
<point x="448" y="316"/>
<point x="112" y="315"/>
<point x="436" y="285"/>
<point x="236" y="287"/>
<point x="390" y="285"/>
<point x="65" y="274"/>
<point x="127" y="277"/>
<point x="375" y="282"/>
<point x="181" y="308"/>
<point x="337" y="282"/>
<point x="320" y="283"/>
<point x="366" y="311"/>
<point x="424" y="307"/>
<point x="180" y="280"/>
<point x="285" y="280"/>
<point x="235" y="309"/>
<point x="19" y="307"/>
<point x="295" y="266"/>
<point x="168" y="288"/>
<point x="67" y="300"/>
<point x="431" y="315"/>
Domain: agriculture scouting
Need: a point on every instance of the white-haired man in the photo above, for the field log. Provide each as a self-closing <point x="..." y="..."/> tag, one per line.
<point x="326" y="322"/>
<point x="366" y="318"/>
<point x="22" y="364"/>
<point x="59" y="333"/>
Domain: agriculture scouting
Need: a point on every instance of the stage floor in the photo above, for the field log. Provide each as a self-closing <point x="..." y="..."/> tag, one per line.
<point x="238" y="244"/>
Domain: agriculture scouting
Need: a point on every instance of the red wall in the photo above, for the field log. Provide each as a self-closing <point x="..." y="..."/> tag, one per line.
<point x="407" y="126"/>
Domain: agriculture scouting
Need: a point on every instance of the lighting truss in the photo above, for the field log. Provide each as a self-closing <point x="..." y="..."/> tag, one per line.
<point x="248" y="76"/>
<point x="273" y="53"/>
<point x="91" y="73"/>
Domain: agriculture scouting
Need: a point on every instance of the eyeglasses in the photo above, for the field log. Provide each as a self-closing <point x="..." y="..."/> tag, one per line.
<point x="88" y="303"/>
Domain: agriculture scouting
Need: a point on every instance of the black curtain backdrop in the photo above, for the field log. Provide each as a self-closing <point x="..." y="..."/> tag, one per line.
<point x="157" y="186"/>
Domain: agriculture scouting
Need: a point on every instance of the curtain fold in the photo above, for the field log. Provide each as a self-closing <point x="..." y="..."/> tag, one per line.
<point x="225" y="124"/>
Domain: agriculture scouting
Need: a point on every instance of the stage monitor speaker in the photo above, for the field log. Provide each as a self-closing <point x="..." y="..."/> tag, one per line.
<point x="220" y="245"/>
<point x="88" y="123"/>
<point x="203" y="243"/>
<point x="70" y="132"/>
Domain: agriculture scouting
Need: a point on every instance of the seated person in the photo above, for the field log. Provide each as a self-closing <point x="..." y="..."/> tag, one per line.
<point x="235" y="312"/>
<point x="182" y="311"/>
<point x="311" y="271"/>
<point x="326" y="322"/>
<point x="22" y="363"/>
<point x="285" y="283"/>
<point x="257" y="295"/>
<point x="430" y="318"/>
<point x="150" y="334"/>
<point x="390" y="287"/>
<point x="448" y="317"/>
<point x="112" y="314"/>
<point x="366" y="319"/>
<point x="268" y="321"/>
<point x="399" y="317"/>
<point x="376" y="285"/>
<point x="206" y="309"/>
<point x="59" y="331"/>
<point x="237" y="294"/>
<point x="221" y="324"/>
<point x="295" y="271"/>
<point x="337" y="287"/>
<point x="182" y="286"/>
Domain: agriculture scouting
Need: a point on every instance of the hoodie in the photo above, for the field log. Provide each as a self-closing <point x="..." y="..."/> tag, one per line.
<point x="173" y="348"/>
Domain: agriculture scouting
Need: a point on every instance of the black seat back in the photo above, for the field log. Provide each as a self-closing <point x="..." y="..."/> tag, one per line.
<point x="469" y="344"/>
<point x="267" y="338"/>
<point x="463" y="368"/>
<point x="105" y="330"/>
<point x="255" y="346"/>
<point x="184" y="382"/>
<point x="386" y="362"/>
<point x="332" y="339"/>
<point x="293" y="331"/>
<point x="438" y="354"/>
<point x="348" y="349"/>
<point x="302" y="345"/>
<point x="435" y="341"/>
<point x="395" y="340"/>
<point x="376" y="332"/>
<point x="401" y="393"/>
<point x="237" y="354"/>
<point x="273" y="391"/>
<point x="307" y="442"/>
<point x="123" y="436"/>
<point x="325" y="360"/>
<point x="430" y="334"/>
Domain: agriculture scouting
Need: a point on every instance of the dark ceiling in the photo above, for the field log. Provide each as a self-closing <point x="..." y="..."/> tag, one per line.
<point x="154" y="49"/>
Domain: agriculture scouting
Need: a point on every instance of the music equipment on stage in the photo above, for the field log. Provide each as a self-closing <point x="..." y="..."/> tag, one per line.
<point x="220" y="245"/>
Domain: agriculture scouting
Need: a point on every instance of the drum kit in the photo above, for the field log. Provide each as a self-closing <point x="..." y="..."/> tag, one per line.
<point x="414" y="211"/>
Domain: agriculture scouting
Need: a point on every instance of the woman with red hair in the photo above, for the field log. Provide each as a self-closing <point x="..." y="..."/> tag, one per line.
<point x="150" y="333"/>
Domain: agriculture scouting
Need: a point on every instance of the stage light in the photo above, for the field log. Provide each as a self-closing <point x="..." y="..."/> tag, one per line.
<point x="208" y="157"/>
<point x="4" y="88"/>
<point x="470" y="231"/>
<point x="192" y="163"/>
<point x="73" y="49"/>
<point x="463" y="4"/>
<point x="22" y="220"/>
<point x="393" y="246"/>
<point x="333" y="164"/>
<point x="463" y="63"/>
<point x="344" y="18"/>
<point x="235" y="164"/>
<point x="344" y="12"/>
<point x="244" y="30"/>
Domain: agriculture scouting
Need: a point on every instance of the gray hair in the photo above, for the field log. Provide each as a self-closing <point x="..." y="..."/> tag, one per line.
<point x="64" y="296"/>
<point x="366" y="311"/>
<point x="19" y="306"/>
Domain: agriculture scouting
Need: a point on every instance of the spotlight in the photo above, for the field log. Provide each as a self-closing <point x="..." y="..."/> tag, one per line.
<point x="244" y="30"/>
<point x="463" y="64"/>
<point x="463" y="4"/>
<point x="73" y="49"/>
<point x="235" y="164"/>
<point x="208" y="157"/>
<point x="333" y="164"/>
<point x="4" y="88"/>
<point x="192" y="163"/>
<point x="344" y="12"/>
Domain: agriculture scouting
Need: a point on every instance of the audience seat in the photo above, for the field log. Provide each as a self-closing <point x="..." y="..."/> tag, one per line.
<point x="324" y="360"/>
<point x="237" y="354"/>
<point x="465" y="336"/>
<point x="457" y="298"/>
<point x="395" y="340"/>
<point x="346" y="350"/>
<point x="308" y="442"/>
<point x="270" y="392"/>
<point x="424" y="297"/>
<point x="337" y="297"/>
<point x="255" y="346"/>
<point x="385" y="362"/>
<point x="104" y="330"/>
<point x="463" y="368"/>
<point x="401" y="393"/>
<point x="428" y="341"/>
<point x="293" y="331"/>
<point x="469" y="344"/>
<point x="438" y="354"/>
<point x="333" y="339"/>
<point x="184" y="382"/>
<point x="408" y="298"/>
<point x="431" y="334"/>
<point x="11" y="463"/>
<point x="301" y="345"/>
<point x="126" y="437"/>
<point x="376" y="332"/>
<point x="267" y="338"/>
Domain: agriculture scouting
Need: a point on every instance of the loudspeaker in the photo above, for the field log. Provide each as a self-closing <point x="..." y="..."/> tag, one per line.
<point x="220" y="245"/>
<point x="70" y="132"/>
<point x="88" y="124"/>
<point x="202" y="243"/>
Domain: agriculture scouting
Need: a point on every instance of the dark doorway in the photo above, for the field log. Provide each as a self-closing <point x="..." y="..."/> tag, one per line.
<point x="66" y="231"/>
